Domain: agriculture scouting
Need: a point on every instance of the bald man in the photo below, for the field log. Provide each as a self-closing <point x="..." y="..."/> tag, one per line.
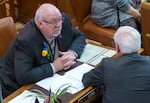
<point x="47" y="44"/>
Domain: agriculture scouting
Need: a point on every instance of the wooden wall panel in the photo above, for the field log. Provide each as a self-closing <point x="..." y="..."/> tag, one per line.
<point x="12" y="9"/>
<point x="27" y="8"/>
<point x="2" y="9"/>
<point x="66" y="6"/>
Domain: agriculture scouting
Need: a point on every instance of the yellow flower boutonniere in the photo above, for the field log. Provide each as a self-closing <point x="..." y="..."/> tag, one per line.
<point x="46" y="51"/>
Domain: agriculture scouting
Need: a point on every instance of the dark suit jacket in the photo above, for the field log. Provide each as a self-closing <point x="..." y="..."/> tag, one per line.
<point x="24" y="64"/>
<point x="125" y="79"/>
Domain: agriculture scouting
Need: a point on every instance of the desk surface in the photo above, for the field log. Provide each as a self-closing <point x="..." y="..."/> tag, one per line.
<point x="70" y="98"/>
<point x="17" y="92"/>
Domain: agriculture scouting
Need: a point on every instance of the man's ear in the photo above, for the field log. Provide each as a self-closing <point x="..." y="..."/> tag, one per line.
<point x="40" y="24"/>
<point x="117" y="48"/>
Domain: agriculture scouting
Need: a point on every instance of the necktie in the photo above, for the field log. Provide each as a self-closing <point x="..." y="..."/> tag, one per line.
<point x="52" y="45"/>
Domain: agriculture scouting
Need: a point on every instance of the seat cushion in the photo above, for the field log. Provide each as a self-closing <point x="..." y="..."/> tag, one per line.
<point x="98" y="33"/>
<point x="7" y="33"/>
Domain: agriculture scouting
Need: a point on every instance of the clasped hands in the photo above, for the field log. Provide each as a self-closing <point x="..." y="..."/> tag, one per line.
<point x="64" y="61"/>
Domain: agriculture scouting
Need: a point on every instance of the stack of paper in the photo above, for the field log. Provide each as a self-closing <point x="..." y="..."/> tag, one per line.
<point x="93" y="54"/>
<point x="72" y="78"/>
<point x="26" y="98"/>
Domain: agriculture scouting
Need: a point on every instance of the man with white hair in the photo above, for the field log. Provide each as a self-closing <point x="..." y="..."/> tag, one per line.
<point x="47" y="44"/>
<point x="126" y="79"/>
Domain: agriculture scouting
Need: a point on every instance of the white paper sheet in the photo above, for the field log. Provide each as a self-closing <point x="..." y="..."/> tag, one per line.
<point x="72" y="78"/>
<point x="26" y="97"/>
<point x="56" y="82"/>
<point x="77" y="73"/>
<point x="93" y="54"/>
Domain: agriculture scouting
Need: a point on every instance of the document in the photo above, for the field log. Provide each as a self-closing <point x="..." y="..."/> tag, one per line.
<point x="93" y="54"/>
<point x="77" y="73"/>
<point x="26" y="98"/>
<point x="70" y="78"/>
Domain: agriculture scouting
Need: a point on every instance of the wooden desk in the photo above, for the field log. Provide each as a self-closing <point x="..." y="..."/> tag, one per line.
<point x="17" y="92"/>
<point x="70" y="98"/>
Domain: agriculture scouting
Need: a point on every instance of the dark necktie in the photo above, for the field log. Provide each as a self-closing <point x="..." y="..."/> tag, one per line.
<point x="52" y="45"/>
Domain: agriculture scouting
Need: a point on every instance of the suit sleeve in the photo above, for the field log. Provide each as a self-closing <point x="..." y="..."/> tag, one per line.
<point x="93" y="77"/>
<point x="26" y="69"/>
<point x="76" y="37"/>
<point x="78" y="42"/>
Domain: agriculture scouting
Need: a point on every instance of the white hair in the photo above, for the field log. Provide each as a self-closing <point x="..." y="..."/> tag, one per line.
<point x="128" y="39"/>
<point x="45" y="10"/>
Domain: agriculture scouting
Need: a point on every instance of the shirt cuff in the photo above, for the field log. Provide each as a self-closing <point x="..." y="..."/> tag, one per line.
<point x="53" y="68"/>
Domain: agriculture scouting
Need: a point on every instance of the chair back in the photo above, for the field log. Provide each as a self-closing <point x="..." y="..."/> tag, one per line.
<point x="82" y="12"/>
<point x="7" y="34"/>
<point x="82" y="9"/>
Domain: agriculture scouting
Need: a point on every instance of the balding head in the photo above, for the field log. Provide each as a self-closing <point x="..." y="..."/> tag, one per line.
<point x="46" y="10"/>
<point x="128" y="39"/>
<point x="49" y="20"/>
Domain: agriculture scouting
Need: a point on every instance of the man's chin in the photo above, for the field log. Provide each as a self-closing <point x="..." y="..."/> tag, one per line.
<point x="56" y="35"/>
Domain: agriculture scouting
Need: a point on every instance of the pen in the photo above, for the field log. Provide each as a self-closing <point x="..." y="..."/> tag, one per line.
<point x="49" y="92"/>
<point x="36" y="100"/>
<point x="47" y="98"/>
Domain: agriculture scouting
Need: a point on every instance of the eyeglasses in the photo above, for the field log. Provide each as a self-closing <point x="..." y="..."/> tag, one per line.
<point x="54" y="21"/>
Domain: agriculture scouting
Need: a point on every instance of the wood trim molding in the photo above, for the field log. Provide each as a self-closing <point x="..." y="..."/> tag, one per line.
<point x="2" y="2"/>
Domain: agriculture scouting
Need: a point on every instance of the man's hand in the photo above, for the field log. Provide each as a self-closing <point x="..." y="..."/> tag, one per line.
<point x="134" y="13"/>
<point x="58" y="64"/>
<point x="67" y="58"/>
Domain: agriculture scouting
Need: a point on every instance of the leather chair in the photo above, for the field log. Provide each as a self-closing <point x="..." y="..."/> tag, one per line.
<point x="145" y="26"/>
<point x="7" y="34"/>
<point x="82" y="10"/>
